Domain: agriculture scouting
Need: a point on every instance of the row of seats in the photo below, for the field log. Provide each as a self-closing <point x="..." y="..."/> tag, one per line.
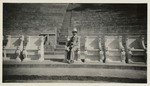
<point x="23" y="48"/>
<point x="129" y="49"/>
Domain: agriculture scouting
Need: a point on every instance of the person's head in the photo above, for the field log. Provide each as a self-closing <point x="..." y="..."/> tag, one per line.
<point x="74" y="32"/>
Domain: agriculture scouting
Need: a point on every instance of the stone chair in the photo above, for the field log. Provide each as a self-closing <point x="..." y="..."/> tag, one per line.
<point x="33" y="48"/>
<point x="136" y="49"/>
<point x="114" y="50"/>
<point x="93" y="49"/>
<point x="12" y="47"/>
<point x="77" y="54"/>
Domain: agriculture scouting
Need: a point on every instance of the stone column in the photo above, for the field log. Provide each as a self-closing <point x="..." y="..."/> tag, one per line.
<point x="41" y="50"/>
<point x="101" y="55"/>
<point x="24" y="52"/>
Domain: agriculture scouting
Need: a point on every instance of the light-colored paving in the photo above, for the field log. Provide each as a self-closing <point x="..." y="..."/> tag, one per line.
<point x="140" y="74"/>
<point x="47" y="62"/>
<point x="58" y="81"/>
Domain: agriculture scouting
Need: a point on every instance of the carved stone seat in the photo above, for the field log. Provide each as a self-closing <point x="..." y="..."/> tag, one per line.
<point x="77" y="54"/>
<point x="12" y="47"/>
<point x="114" y="50"/>
<point x="136" y="49"/>
<point x="93" y="49"/>
<point x="33" y="48"/>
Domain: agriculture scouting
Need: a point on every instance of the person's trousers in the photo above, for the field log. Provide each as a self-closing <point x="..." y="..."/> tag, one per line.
<point x="71" y="53"/>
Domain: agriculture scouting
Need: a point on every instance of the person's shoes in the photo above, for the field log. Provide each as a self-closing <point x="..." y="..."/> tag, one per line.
<point x="72" y="61"/>
<point x="69" y="61"/>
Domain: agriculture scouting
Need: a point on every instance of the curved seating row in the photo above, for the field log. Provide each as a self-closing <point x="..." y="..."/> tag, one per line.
<point x="23" y="48"/>
<point x="129" y="49"/>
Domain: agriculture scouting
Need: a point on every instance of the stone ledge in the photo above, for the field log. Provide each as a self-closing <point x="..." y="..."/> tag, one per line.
<point x="70" y="78"/>
<point x="60" y="64"/>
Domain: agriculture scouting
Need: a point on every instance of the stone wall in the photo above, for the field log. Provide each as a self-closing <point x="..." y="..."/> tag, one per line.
<point x="32" y="19"/>
<point x="111" y="19"/>
<point x="89" y="19"/>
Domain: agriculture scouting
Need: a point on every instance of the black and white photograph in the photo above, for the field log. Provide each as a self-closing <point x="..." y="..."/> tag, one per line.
<point x="74" y="43"/>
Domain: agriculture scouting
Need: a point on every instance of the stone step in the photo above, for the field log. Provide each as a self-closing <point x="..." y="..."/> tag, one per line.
<point x="64" y="34"/>
<point x="62" y="40"/>
<point x="60" y="46"/>
<point x="48" y="52"/>
<point x="58" y="81"/>
<point x="78" y="71"/>
<point x="59" y="52"/>
<point x="64" y="30"/>
<point x="59" y="49"/>
<point x="69" y="78"/>
<point x="61" y="64"/>
<point x="54" y="58"/>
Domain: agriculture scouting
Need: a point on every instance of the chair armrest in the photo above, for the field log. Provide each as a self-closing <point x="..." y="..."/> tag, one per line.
<point x="78" y="48"/>
<point x="120" y="43"/>
<point x="143" y="43"/>
<point x="113" y="49"/>
<point x="42" y="43"/>
<point x="137" y="49"/>
<point x="21" y="42"/>
<point x="54" y="46"/>
<point x="121" y="46"/>
<point x="100" y="43"/>
<point x="106" y="48"/>
<point x="130" y="52"/>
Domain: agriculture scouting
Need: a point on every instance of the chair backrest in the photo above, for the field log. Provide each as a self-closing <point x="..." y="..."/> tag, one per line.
<point x="112" y="42"/>
<point x="134" y="42"/>
<point x="92" y="42"/>
<point x="34" y="42"/>
<point x="145" y="40"/>
<point x="14" y="42"/>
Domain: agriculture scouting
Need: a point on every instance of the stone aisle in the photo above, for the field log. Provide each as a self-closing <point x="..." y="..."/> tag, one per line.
<point x="52" y="71"/>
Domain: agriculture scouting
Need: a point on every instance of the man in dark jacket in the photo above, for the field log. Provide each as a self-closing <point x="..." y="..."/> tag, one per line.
<point x="72" y="46"/>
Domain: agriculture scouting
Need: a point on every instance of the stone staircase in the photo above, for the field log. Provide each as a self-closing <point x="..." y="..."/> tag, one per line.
<point x="59" y="50"/>
<point x="62" y="38"/>
<point x="64" y="30"/>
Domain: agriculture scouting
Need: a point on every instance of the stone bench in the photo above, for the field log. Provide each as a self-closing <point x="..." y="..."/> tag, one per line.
<point x="136" y="49"/>
<point x="114" y="50"/>
<point x="33" y="48"/>
<point x="93" y="49"/>
<point x="12" y="47"/>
